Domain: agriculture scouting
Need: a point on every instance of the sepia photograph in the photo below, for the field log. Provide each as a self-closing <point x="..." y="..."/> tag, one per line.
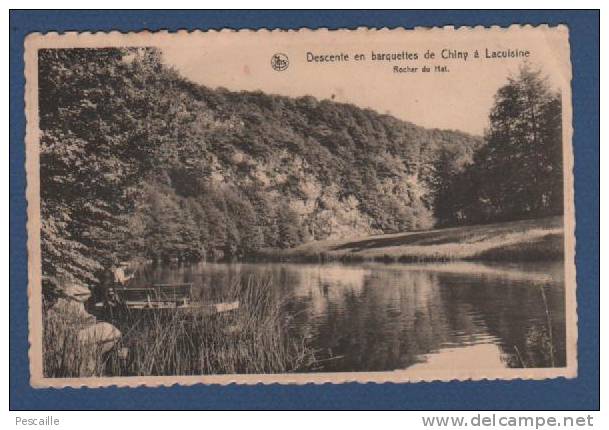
<point x="300" y="206"/>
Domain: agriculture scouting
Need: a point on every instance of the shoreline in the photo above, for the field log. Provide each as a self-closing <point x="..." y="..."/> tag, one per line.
<point x="527" y="240"/>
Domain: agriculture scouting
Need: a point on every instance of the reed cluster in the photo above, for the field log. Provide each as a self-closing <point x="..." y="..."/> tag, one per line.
<point x="64" y="355"/>
<point x="255" y="338"/>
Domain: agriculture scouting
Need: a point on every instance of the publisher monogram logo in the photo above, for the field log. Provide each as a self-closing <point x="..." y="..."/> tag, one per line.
<point x="280" y="62"/>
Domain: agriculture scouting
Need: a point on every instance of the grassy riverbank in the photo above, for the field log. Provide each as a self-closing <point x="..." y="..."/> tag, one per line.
<point x="527" y="240"/>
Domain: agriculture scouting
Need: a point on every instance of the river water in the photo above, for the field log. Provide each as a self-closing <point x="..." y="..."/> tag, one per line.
<point x="378" y="317"/>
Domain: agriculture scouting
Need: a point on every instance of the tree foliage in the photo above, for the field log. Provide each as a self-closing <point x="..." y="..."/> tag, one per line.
<point x="95" y="147"/>
<point x="518" y="172"/>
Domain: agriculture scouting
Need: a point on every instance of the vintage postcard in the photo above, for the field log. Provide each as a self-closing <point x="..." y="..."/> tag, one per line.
<point x="303" y="206"/>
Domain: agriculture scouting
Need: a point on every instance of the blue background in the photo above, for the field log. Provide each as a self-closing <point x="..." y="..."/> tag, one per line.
<point x="579" y="393"/>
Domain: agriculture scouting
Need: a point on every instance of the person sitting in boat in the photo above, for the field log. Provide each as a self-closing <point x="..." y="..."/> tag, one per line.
<point x="120" y="277"/>
<point x="113" y="278"/>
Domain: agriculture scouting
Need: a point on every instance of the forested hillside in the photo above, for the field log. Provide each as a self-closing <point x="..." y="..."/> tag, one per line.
<point x="136" y="160"/>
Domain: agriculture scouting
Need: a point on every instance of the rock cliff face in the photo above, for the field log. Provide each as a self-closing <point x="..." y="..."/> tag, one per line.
<point x="280" y="171"/>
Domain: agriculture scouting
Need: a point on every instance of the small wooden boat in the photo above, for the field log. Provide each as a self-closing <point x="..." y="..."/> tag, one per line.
<point x="164" y="296"/>
<point x="157" y="296"/>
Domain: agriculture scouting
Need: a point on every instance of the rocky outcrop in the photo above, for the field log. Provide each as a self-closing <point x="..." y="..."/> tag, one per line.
<point x="101" y="336"/>
<point x="72" y="312"/>
<point x="92" y="338"/>
<point x="76" y="292"/>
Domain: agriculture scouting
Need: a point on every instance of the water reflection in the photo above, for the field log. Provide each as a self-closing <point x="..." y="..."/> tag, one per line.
<point x="374" y="317"/>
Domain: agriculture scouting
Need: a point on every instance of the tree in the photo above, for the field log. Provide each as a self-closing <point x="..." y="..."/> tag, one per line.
<point x="94" y="149"/>
<point x="288" y="224"/>
<point x="518" y="172"/>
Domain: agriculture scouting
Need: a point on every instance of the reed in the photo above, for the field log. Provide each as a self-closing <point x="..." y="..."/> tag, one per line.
<point x="64" y="355"/>
<point x="539" y="347"/>
<point x="253" y="339"/>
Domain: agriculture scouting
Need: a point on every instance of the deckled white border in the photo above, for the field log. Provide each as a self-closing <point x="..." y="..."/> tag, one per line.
<point x="99" y="39"/>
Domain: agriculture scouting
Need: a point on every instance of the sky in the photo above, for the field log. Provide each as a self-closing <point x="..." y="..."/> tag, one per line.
<point x="458" y="99"/>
